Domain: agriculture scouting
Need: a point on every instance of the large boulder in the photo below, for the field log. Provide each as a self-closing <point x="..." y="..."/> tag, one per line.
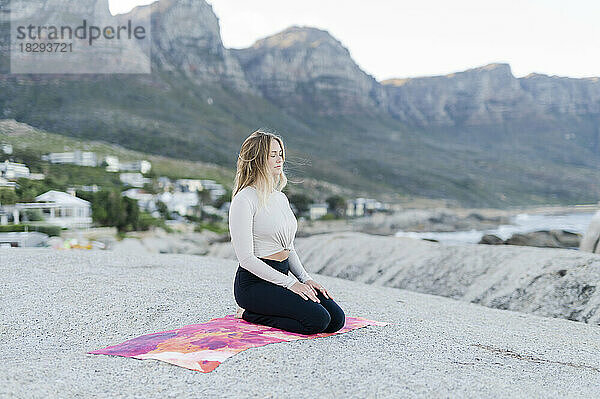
<point x="546" y="239"/>
<point x="591" y="238"/>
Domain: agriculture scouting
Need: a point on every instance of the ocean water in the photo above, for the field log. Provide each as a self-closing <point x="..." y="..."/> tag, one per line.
<point x="522" y="223"/>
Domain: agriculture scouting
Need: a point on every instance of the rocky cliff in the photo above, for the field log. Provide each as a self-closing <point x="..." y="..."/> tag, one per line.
<point x="186" y="38"/>
<point x="307" y="67"/>
<point x="185" y="35"/>
<point x="480" y="95"/>
<point x="488" y="105"/>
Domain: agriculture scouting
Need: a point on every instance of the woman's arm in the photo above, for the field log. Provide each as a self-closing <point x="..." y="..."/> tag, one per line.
<point x="296" y="266"/>
<point x="240" y="229"/>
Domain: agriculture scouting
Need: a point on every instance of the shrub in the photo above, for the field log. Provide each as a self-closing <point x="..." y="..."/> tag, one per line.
<point x="47" y="229"/>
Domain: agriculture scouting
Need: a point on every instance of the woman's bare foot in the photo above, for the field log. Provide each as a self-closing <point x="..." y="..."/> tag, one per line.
<point x="239" y="312"/>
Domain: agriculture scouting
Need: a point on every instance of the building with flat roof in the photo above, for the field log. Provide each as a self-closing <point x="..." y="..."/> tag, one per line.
<point x="77" y="157"/>
<point x="315" y="211"/>
<point x="13" y="170"/>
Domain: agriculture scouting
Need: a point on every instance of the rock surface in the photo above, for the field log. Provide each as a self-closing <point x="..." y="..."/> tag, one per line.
<point x="438" y="220"/>
<point x="541" y="238"/>
<point x="591" y="238"/>
<point x="192" y="243"/>
<point x="487" y="95"/>
<point x="57" y="305"/>
<point x="546" y="239"/>
<point x="186" y="37"/>
<point x="304" y="66"/>
<point x="548" y="282"/>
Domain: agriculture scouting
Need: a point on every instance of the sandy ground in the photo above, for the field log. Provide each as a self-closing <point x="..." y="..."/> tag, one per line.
<point x="56" y="305"/>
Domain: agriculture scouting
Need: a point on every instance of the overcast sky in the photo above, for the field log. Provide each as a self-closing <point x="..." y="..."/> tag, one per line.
<point x="396" y="39"/>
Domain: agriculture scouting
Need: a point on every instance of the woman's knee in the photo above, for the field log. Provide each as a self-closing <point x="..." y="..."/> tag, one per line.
<point x="338" y="319"/>
<point x="336" y="323"/>
<point x="319" y="320"/>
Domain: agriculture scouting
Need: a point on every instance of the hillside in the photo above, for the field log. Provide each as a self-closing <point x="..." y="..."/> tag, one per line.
<point x="30" y="143"/>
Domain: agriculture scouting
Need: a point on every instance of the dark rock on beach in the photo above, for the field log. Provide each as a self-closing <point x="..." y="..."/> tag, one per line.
<point x="491" y="239"/>
<point x="542" y="239"/>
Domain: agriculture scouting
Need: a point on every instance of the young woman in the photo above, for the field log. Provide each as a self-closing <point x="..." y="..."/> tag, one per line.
<point x="263" y="227"/>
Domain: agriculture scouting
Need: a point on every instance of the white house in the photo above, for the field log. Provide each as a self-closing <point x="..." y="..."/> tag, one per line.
<point x="136" y="166"/>
<point x="65" y="210"/>
<point x="315" y="211"/>
<point x="372" y="205"/>
<point x="58" y="208"/>
<point x="7" y="148"/>
<point x="134" y="179"/>
<point x="189" y="185"/>
<point x="77" y="157"/>
<point x="112" y="163"/>
<point x="165" y="183"/>
<point x="36" y="176"/>
<point x="94" y="188"/>
<point x="13" y="170"/>
<point x="355" y="208"/>
<point x="179" y="202"/>
<point x="144" y="199"/>
<point x="362" y="206"/>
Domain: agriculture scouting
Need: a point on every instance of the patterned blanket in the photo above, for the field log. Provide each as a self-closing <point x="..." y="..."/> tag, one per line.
<point x="203" y="347"/>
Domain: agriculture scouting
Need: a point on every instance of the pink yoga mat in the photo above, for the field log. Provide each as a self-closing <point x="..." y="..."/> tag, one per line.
<point x="203" y="347"/>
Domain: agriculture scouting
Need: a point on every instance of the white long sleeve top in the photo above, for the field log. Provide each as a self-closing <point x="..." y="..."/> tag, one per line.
<point x="261" y="232"/>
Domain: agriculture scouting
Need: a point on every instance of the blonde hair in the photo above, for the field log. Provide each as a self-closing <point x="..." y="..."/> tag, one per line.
<point x="253" y="166"/>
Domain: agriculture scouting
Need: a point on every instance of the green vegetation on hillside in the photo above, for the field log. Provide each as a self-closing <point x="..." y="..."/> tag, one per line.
<point x="372" y="154"/>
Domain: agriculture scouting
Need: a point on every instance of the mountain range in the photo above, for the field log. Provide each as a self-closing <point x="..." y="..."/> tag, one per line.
<point x="481" y="137"/>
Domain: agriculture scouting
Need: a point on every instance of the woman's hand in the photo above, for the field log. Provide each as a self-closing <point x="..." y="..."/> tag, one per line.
<point x="305" y="291"/>
<point x="319" y="287"/>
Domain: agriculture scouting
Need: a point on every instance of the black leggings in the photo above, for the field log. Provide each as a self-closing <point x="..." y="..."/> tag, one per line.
<point x="276" y="306"/>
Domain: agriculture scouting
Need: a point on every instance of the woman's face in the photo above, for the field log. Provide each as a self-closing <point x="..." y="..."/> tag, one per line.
<point x="275" y="158"/>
